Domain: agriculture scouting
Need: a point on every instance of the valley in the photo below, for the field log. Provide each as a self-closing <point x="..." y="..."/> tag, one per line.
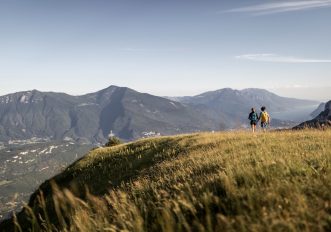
<point x="24" y="165"/>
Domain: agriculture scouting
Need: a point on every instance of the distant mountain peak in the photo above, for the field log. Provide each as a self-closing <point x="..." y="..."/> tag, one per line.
<point x="111" y="89"/>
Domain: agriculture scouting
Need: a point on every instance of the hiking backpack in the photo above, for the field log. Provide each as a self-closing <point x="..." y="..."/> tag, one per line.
<point x="253" y="116"/>
<point x="264" y="116"/>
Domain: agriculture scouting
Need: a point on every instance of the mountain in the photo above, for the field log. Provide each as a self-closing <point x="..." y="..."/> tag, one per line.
<point x="91" y="117"/>
<point x="234" y="105"/>
<point x="322" y="120"/>
<point x="199" y="182"/>
<point x="319" y="109"/>
<point x="229" y="98"/>
<point x="129" y="114"/>
<point x="35" y="114"/>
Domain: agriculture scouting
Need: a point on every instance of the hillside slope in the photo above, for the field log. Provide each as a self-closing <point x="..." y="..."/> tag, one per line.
<point x="319" y="110"/>
<point x="322" y="120"/>
<point x="278" y="181"/>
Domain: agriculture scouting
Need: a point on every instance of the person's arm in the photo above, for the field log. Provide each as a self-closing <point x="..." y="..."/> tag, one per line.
<point x="268" y="119"/>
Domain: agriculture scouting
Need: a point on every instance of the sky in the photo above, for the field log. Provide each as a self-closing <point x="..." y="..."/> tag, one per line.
<point x="166" y="48"/>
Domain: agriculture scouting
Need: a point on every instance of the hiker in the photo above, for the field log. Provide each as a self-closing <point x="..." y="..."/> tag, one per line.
<point x="254" y="118"/>
<point x="265" y="118"/>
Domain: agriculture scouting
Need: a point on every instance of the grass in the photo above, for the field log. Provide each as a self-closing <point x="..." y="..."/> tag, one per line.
<point x="230" y="181"/>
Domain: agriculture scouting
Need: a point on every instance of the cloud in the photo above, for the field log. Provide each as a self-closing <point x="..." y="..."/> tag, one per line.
<point x="267" y="57"/>
<point x="131" y="49"/>
<point x="282" y="6"/>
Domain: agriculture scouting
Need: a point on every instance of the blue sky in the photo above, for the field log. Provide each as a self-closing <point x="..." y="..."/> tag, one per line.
<point x="173" y="47"/>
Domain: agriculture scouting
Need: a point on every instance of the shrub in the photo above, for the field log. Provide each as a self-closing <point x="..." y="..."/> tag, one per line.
<point x="113" y="141"/>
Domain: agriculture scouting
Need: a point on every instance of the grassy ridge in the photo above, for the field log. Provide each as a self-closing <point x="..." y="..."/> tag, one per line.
<point x="277" y="181"/>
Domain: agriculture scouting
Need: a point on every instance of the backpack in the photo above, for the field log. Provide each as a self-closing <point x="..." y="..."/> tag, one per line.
<point x="264" y="116"/>
<point x="253" y="116"/>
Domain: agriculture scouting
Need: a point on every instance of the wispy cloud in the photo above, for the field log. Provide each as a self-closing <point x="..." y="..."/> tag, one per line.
<point x="267" y="57"/>
<point x="282" y="6"/>
<point x="131" y="49"/>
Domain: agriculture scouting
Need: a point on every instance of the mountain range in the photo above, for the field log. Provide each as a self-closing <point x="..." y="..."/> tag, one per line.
<point x="129" y="114"/>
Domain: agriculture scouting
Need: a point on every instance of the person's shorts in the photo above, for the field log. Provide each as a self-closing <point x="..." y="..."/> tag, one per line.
<point x="253" y="123"/>
<point x="264" y="124"/>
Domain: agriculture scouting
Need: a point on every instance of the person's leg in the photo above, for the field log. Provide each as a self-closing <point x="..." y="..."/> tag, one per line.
<point x="262" y="126"/>
<point x="253" y="126"/>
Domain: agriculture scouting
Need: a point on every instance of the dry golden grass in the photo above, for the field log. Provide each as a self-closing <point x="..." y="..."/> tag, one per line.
<point x="230" y="181"/>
